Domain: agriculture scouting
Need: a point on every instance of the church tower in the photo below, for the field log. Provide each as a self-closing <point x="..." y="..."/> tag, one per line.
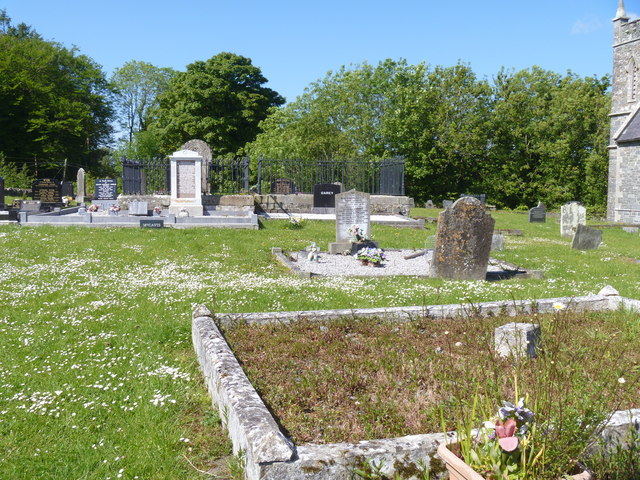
<point x="623" y="202"/>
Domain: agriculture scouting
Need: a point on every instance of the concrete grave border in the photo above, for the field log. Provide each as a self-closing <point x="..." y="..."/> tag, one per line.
<point x="270" y="455"/>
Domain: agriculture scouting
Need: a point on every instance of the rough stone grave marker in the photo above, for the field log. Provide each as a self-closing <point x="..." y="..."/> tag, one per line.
<point x="352" y="208"/>
<point x="517" y="339"/>
<point x="586" y="238"/>
<point x="572" y="214"/>
<point x="81" y="185"/>
<point x="186" y="183"/>
<point x="538" y="214"/>
<point x="47" y="190"/>
<point x="463" y="241"/>
<point x="201" y="148"/>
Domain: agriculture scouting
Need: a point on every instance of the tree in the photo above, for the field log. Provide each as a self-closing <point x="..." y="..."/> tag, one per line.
<point x="54" y="102"/>
<point x="221" y="101"/>
<point x="138" y="85"/>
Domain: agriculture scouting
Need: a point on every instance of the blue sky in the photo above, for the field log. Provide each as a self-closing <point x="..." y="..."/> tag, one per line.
<point x="296" y="42"/>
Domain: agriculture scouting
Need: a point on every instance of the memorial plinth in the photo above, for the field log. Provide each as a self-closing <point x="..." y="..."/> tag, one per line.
<point x="186" y="183"/>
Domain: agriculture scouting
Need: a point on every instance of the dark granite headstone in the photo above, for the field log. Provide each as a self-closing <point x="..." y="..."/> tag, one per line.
<point x="283" y="186"/>
<point x="1" y="193"/>
<point x="155" y="223"/>
<point x="66" y="189"/>
<point x="538" y="214"/>
<point x="463" y="241"/>
<point x="586" y="238"/>
<point x="324" y="195"/>
<point x="106" y="189"/>
<point x="480" y="196"/>
<point x="47" y="190"/>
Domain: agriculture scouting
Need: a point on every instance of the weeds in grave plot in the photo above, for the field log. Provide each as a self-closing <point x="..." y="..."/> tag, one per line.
<point x="355" y="379"/>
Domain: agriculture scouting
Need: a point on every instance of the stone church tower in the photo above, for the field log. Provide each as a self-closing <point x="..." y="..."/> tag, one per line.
<point x="623" y="203"/>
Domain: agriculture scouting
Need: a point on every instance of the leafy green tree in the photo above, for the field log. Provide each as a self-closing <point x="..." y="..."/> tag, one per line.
<point x="54" y="102"/>
<point x="138" y="85"/>
<point x="14" y="176"/>
<point x="221" y="101"/>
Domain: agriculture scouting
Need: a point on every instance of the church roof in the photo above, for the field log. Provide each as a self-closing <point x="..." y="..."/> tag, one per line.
<point x="630" y="131"/>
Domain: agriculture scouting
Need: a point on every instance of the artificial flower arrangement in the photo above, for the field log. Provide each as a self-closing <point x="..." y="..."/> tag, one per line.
<point x="115" y="208"/>
<point x="93" y="207"/>
<point x="357" y="233"/>
<point x="371" y="255"/>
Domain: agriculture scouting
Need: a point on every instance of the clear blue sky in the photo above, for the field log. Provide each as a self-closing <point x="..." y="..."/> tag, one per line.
<point x="296" y="42"/>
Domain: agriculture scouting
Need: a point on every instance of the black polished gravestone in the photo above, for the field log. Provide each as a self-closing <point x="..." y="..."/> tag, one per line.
<point x="48" y="191"/>
<point x="66" y="189"/>
<point x="324" y="195"/>
<point x="106" y="189"/>
<point x="538" y="214"/>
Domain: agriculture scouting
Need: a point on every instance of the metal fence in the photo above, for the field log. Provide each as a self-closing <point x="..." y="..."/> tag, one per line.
<point x="381" y="177"/>
<point x="270" y="176"/>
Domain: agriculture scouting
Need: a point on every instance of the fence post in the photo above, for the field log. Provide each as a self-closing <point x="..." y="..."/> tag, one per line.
<point x="246" y="174"/>
<point x="260" y="175"/>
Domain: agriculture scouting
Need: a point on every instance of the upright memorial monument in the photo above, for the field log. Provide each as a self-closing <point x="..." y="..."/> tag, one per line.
<point x="623" y="198"/>
<point x="352" y="208"/>
<point x="186" y="183"/>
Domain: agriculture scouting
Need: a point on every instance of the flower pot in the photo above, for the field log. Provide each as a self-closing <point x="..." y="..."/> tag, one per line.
<point x="459" y="470"/>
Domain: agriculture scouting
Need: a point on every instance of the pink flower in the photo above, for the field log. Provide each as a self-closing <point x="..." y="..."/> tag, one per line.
<point x="506" y="435"/>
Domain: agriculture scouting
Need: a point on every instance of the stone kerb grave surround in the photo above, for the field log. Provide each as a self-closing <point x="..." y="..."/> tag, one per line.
<point x="186" y="183"/>
<point x="572" y="214"/>
<point x="352" y="208"/>
<point x="202" y="148"/>
<point x="271" y="456"/>
<point x="463" y="241"/>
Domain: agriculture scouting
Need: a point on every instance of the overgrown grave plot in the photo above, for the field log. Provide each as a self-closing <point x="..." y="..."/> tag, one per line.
<point x="352" y="379"/>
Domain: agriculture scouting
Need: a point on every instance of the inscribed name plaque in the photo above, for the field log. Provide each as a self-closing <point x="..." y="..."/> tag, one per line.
<point x="352" y="208"/>
<point x="155" y="223"/>
<point x="47" y="190"/>
<point x="186" y="183"/>
<point x="324" y="195"/>
<point x="106" y="189"/>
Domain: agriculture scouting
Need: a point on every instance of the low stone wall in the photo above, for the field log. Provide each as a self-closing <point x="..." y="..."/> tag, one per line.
<point x="303" y="203"/>
<point x="270" y="455"/>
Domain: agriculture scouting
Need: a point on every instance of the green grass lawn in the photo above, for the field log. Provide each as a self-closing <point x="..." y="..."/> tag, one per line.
<point x="97" y="374"/>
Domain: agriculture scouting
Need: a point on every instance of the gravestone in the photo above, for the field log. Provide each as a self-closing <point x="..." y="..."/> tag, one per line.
<point x="324" y="197"/>
<point x="586" y="238"/>
<point x="352" y="208"/>
<point x="30" y="205"/>
<point x="66" y="189"/>
<point x="538" y="214"/>
<point x="81" y="184"/>
<point x="447" y="203"/>
<point x="517" y="339"/>
<point x="47" y="190"/>
<point x="463" y="241"/>
<point x="106" y="193"/>
<point x="572" y="214"/>
<point x="186" y="183"/>
<point x="106" y="189"/>
<point x="138" y="208"/>
<point x="1" y="193"/>
<point x="479" y="196"/>
<point x="283" y="186"/>
<point x="429" y="204"/>
<point x="202" y="148"/>
<point x="497" y="242"/>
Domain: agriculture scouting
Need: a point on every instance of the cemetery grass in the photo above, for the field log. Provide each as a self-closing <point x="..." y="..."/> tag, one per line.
<point x="97" y="374"/>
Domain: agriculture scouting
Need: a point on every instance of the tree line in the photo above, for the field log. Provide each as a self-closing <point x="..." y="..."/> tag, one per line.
<point x="521" y="137"/>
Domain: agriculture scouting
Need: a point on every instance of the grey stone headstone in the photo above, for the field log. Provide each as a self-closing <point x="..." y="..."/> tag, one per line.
<point x="497" y="242"/>
<point x="572" y="214"/>
<point x="81" y="182"/>
<point x="447" y="203"/>
<point x="517" y="339"/>
<point x="538" y="214"/>
<point x="30" y="205"/>
<point x="586" y="238"/>
<point x="352" y="208"/>
<point x="429" y="204"/>
<point x="463" y="241"/>
<point x="480" y="196"/>
<point x="201" y="148"/>
<point x="138" y="208"/>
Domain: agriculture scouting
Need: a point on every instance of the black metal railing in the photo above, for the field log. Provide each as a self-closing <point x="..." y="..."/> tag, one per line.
<point x="381" y="177"/>
<point x="227" y="176"/>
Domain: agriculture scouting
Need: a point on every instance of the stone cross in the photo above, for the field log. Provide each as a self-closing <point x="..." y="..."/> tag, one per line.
<point x="463" y="241"/>
<point x="81" y="186"/>
<point x="572" y="214"/>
